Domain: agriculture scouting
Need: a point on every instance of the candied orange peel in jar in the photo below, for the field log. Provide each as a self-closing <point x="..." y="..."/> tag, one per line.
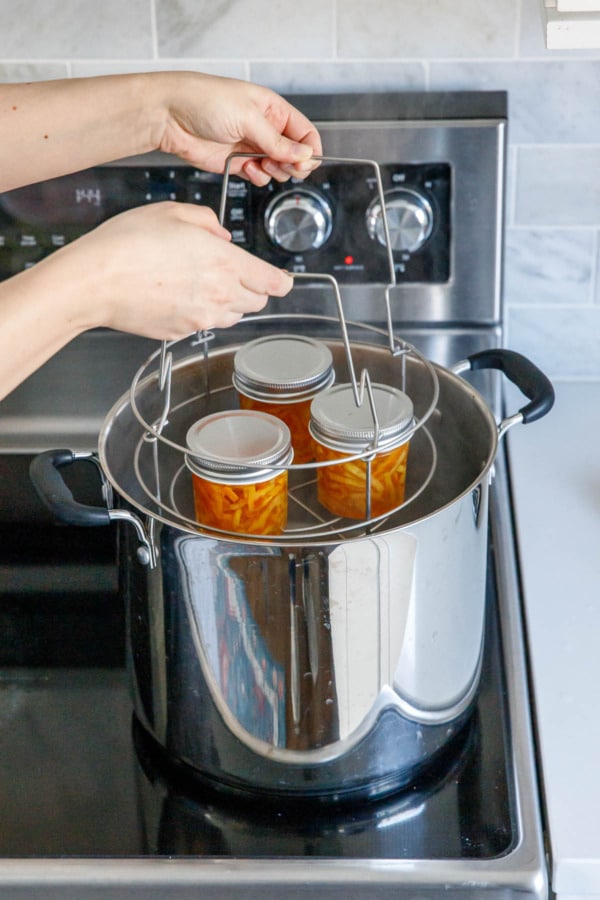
<point x="280" y="375"/>
<point x="238" y="462"/>
<point x="259" y="508"/>
<point x="344" y="434"/>
<point x="342" y="488"/>
<point x="296" y="416"/>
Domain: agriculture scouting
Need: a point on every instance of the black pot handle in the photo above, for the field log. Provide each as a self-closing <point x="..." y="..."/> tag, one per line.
<point x="52" y="490"/>
<point x="524" y="374"/>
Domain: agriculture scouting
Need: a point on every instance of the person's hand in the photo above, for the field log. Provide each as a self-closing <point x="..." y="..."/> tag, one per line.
<point x="164" y="271"/>
<point x="209" y="118"/>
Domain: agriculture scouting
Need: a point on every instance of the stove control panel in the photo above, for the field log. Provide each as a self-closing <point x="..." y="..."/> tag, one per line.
<point x="334" y="223"/>
<point x="331" y="223"/>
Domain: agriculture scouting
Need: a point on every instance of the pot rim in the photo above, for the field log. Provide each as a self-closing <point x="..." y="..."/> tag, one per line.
<point x="331" y="538"/>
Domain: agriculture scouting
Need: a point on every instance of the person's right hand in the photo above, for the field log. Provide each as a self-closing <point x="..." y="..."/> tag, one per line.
<point x="209" y="118"/>
<point x="163" y="271"/>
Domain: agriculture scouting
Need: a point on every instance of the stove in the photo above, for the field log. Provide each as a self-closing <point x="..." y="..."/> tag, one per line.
<point x="92" y="805"/>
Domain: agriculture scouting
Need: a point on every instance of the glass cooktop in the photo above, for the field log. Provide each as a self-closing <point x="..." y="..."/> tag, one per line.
<point x="78" y="777"/>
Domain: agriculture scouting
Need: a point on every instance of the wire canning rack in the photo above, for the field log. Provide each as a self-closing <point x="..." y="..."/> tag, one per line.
<point x="182" y="381"/>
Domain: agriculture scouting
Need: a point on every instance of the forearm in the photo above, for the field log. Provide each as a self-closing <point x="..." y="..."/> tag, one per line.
<point x="121" y="275"/>
<point x="54" y="127"/>
<point x="38" y="316"/>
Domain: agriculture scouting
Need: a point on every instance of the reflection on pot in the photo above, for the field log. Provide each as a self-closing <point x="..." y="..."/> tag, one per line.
<point x="303" y="650"/>
<point x="243" y="669"/>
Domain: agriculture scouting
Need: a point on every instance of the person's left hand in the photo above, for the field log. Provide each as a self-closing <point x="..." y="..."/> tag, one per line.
<point x="211" y="118"/>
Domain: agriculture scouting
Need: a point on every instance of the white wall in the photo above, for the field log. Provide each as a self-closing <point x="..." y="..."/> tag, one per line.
<point x="552" y="285"/>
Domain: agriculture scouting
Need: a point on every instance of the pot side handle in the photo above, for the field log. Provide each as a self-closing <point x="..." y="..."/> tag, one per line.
<point x="54" y="493"/>
<point x="530" y="380"/>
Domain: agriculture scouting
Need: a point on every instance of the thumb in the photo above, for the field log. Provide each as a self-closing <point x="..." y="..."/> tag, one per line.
<point x="204" y="217"/>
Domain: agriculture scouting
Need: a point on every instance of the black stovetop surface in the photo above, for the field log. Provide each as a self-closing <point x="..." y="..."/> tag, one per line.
<point x="78" y="777"/>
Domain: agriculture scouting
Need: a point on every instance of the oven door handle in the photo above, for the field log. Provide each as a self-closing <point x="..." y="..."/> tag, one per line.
<point x="51" y="488"/>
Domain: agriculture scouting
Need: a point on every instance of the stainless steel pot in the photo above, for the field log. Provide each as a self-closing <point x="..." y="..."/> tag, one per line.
<point x="336" y="662"/>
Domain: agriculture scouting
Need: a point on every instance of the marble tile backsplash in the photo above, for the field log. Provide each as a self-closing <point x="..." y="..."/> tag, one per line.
<point x="552" y="247"/>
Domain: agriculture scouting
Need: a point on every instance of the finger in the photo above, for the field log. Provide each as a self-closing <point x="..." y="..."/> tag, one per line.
<point x="275" y="143"/>
<point x="254" y="171"/>
<point x="247" y="301"/>
<point x="300" y="129"/>
<point x="271" y="286"/>
<point x="263" y="278"/>
<point x="203" y="217"/>
<point x="227" y="319"/>
<point x="284" y="171"/>
<point x="261" y="171"/>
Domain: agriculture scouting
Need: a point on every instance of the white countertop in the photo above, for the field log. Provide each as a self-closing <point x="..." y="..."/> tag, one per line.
<point x="555" y="466"/>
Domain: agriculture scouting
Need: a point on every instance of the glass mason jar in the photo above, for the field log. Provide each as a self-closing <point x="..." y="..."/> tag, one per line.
<point x="342" y="429"/>
<point x="233" y="457"/>
<point x="281" y="375"/>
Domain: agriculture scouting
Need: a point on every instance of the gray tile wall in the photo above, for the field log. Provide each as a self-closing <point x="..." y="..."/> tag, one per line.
<point x="552" y="278"/>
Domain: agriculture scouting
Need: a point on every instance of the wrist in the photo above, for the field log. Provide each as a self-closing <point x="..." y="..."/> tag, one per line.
<point x="65" y="288"/>
<point x="154" y="92"/>
<point x="36" y="321"/>
<point x="182" y="116"/>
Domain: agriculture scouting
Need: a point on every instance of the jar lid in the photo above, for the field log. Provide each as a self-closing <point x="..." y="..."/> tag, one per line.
<point x="338" y="422"/>
<point x="238" y="443"/>
<point x="288" y="367"/>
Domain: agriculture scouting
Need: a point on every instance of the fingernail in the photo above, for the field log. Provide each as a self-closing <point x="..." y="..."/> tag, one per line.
<point x="302" y="151"/>
<point x="258" y="176"/>
<point x="304" y="168"/>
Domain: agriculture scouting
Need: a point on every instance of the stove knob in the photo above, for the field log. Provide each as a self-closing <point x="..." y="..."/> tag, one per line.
<point x="409" y="217"/>
<point x="298" y="220"/>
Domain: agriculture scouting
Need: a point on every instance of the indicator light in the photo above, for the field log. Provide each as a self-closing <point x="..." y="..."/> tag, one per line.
<point x="349" y="260"/>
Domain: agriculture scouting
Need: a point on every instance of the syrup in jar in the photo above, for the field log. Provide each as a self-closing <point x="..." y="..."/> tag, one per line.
<point x="281" y="375"/>
<point x="235" y="459"/>
<point x="342" y="429"/>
